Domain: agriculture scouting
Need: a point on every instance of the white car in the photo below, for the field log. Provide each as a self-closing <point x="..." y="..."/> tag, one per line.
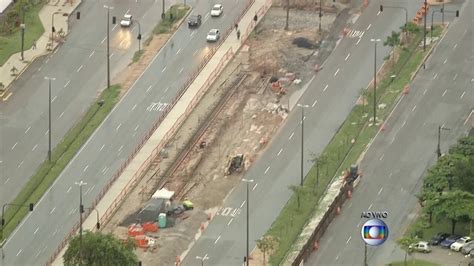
<point x="217" y="10"/>
<point x="456" y="246"/>
<point x="126" y="20"/>
<point x="213" y="35"/>
<point x="421" y="246"/>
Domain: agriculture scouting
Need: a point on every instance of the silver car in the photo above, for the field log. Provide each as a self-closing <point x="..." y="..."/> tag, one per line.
<point x="213" y="35"/>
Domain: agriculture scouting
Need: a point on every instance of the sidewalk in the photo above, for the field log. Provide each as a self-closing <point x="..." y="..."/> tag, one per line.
<point x="61" y="9"/>
<point x="138" y="165"/>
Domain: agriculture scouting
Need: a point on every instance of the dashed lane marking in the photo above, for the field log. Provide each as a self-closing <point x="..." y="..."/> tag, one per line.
<point x="326" y="87"/>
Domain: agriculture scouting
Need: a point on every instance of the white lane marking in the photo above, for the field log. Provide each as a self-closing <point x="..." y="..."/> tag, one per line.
<point x="266" y="170"/>
<point x="413" y="109"/>
<point x="230" y="221"/>
<point x="134" y="28"/>
<point x="69" y="189"/>
<point x="241" y="205"/>
<point x="358" y="41"/>
<point x="455" y="45"/>
<point x="46" y="133"/>
<point x="36" y="231"/>
<point x="291" y="136"/>
<point x="326" y="87"/>
<point x="105" y="170"/>
<point x="121" y="147"/>
<point x="136" y="127"/>
<point x="195" y="52"/>
<point x="455" y="76"/>
<point x="446" y="90"/>
<point x="103" y="40"/>
<point x="378" y="13"/>
<point x="337" y="71"/>
<point x="315" y="102"/>
<point x="19" y="252"/>
<point x="404" y="123"/>
<point x="337" y="257"/>
<point x="120" y="44"/>
<point x="179" y="50"/>
<point x="163" y="69"/>
<point x="92" y="54"/>
<point x="28" y="129"/>
<point x="370" y="207"/>
<point x="181" y="71"/>
<point x="101" y="148"/>
<point x="113" y="28"/>
<point x="118" y="126"/>
<point x="79" y="69"/>
<point x="445" y="60"/>
<point x="85" y="168"/>
<point x="255" y="186"/>
<point x="380" y="191"/>
<point x="37" y="254"/>
<point x="51" y="212"/>
<point x="6" y="181"/>
<point x="435" y="75"/>
<point x="14" y="145"/>
<point x="167" y="89"/>
<point x="111" y="55"/>
<point x="390" y="175"/>
<point x="133" y="108"/>
<point x="61" y="114"/>
<point x="39" y="69"/>
<point x="349" y="239"/>
<point x="207" y="15"/>
<point x="349" y="54"/>
<point x="278" y="154"/>
<point x="149" y="88"/>
<point x="55" y="232"/>
<point x="192" y="33"/>
<point x="381" y="157"/>
<point x="368" y="27"/>
<point x="469" y="116"/>
<point x="47" y="60"/>
<point x="67" y="83"/>
<point x="34" y="148"/>
<point x="393" y="139"/>
<point x="424" y="92"/>
<point x="20" y="164"/>
<point x="462" y="95"/>
<point x="54" y="99"/>
<point x="219" y="237"/>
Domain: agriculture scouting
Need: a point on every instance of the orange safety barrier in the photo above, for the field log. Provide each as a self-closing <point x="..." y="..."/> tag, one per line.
<point x="141" y="241"/>
<point x="150" y="227"/>
<point x="135" y="230"/>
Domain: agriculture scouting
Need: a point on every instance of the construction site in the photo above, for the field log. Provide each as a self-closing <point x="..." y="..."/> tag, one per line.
<point x="227" y="131"/>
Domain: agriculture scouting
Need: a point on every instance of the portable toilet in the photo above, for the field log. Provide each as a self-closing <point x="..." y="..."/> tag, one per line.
<point x="162" y="220"/>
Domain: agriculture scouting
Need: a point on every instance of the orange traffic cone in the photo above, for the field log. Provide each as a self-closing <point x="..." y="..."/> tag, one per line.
<point x="406" y="89"/>
<point x="349" y="194"/>
<point x="202" y="226"/>
<point x="338" y="210"/>
<point x="382" y="127"/>
<point x="209" y="216"/>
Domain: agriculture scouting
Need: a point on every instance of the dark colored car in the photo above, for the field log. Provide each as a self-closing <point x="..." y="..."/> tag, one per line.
<point x="436" y="240"/>
<point x="449" y="241"/>
<point x="194" y="21"/>
<point x="467" y="248"/>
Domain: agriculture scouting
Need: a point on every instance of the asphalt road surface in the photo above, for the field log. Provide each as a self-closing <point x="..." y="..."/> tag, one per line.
<point x="394" y="165"/>
<point x="55" y="214"/>
<point x="79" y="67"/>
<point x="331" y="96"/>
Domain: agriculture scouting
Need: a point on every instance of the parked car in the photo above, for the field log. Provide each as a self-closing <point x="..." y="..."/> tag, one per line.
<point x="471" y="254"/>
<point x="194" y="21"/>
<point x="456" y="246"/>
<point x="446" y="243"/>
<point x="467" y="248"/>
<point x="421" y="246"/>
<point x="217" y="10"/>
<point x="213" y="35"/>
<point x="126" y="20"/>
<point x="436" y="240"/>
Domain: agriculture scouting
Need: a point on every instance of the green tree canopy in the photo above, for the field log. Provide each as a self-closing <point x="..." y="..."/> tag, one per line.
<point x="465" y="146"/>
<point x="464" y="174"/>
<point x="404" y="244"/>
<point x="393" y="40"/>
<point x="455" y="206"/>
<point x="100" y="249"/>
<point x="267" y="244"/>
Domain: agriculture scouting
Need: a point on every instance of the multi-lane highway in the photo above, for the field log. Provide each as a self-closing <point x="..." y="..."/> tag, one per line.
<point x="443" y="94"/>
<point x="331" y="96"/>
<point x="113" y="142"/>
<point x="79" y="67"/>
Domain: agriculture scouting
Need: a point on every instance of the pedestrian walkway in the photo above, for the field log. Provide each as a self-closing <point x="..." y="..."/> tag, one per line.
<point x="14" y="67"/>
<point x="108" y="204"/>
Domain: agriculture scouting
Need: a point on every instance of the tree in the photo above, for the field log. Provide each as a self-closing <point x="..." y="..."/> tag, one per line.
<point x="100" y="249"/>
<point x="465" y="146"/>
<point x="267" y="244"/>
<point x="412" y="27"/>
<point x="455" y="206"/>
<point x="464" y="173"/>
<point x="299" y="191"/>
<point x="404" y="244"/>
<point x="393" y="40"/>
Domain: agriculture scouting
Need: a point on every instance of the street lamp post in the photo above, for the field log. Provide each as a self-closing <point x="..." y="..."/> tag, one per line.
<point x="287" y="13"/>
<point x="49" y="116"/>
<point x="108" y="43"/>
<point x="438" y="150"/>
<point x="139" y="37"/>
<point x="23" y="27"/>
<point x="97" y="225"/>
<point x="163" y="10"/>
<point x="320" y="14"/>
<point x="81" y="210"/>
<point x="202" y="259"/>
<point x="302" y="140"/>
<point x="406" y="16"/>
<point x="53" y="30"/>
<point x="375" y="41"/>
<point x="248" y="181"/>
<point x="442" y="11"/>
<point x="424" y="27"/>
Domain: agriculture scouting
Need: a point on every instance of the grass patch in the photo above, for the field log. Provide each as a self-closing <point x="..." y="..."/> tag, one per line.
<point x="60" y="157"/>
<point x="166" y="25"/>
<point x="341" y="152"/>
<point x="11" y="43"/>
<point x="137" y="55"/>
<point x="413" y="263"/>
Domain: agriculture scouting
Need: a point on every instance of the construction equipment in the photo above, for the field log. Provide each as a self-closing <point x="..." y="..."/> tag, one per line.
<point x="235" y="164"/>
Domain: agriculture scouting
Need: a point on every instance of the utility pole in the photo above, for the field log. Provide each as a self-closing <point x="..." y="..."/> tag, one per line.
<point x="375" y="78"/>
<point x="320" y="14"/>
<point x="424" y="27"/>
<point x="81" y="210"/>
<point x="108" y="43"/>
<point x="23" y="27"/>
<point x="49" y="116"/>
<point x="365" y="255"/>
<point x="248" y="181"/>
<point x="302" y="141"/>
<point x="438" y="149"/>
<point x="287" y="13"/>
